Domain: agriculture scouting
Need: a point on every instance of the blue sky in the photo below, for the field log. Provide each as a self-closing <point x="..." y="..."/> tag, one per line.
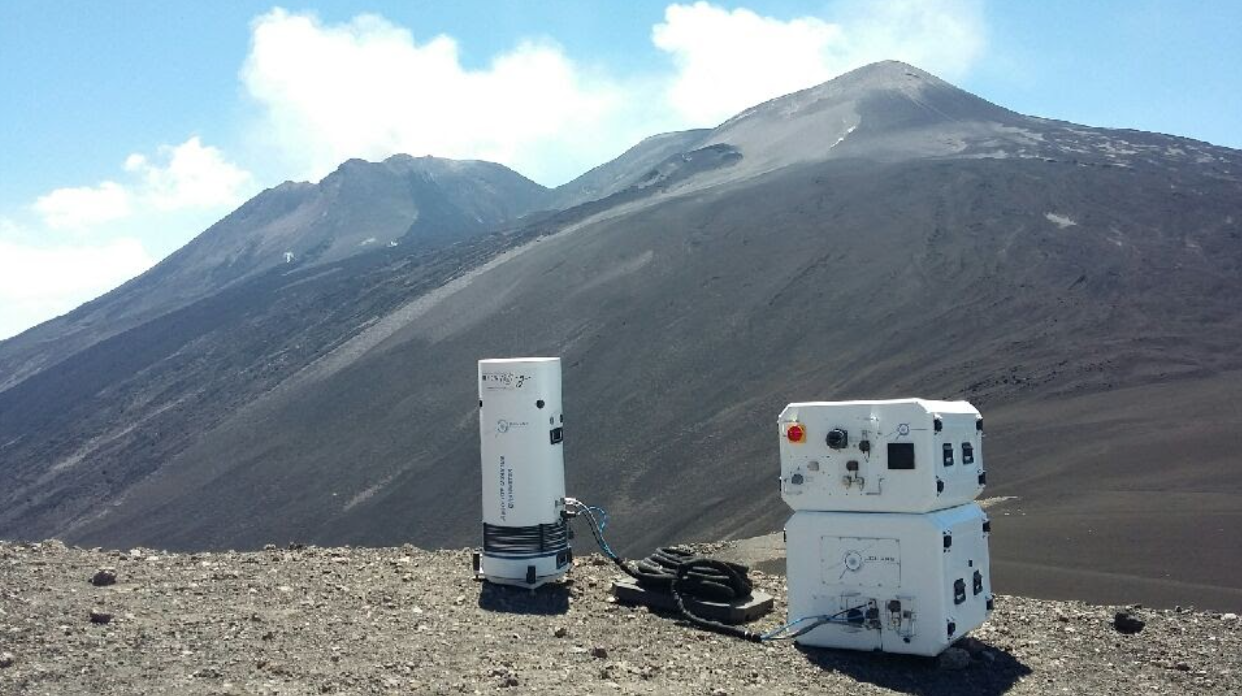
<point x="128" y="128"/>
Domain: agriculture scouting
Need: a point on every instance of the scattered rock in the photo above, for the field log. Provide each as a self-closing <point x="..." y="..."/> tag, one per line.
<point x="216" y="623"/>
<point x="1229" y="617"/>
<point x="1128" y="623"/>
<point x="104" y="577"/>
<point x="99" y="616"/>
<point x="953" y="659"/>
<point x="269" y="547"/>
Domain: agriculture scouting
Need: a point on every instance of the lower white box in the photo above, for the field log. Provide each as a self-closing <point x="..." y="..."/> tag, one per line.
<point x="893" y="582"/>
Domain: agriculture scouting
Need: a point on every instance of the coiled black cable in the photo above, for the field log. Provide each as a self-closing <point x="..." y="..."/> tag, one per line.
<point x="681" y="572"/>
<point x="713" y="580"/>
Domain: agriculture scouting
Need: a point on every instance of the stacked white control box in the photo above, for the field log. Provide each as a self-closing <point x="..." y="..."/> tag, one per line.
<point x="885" y="536"/>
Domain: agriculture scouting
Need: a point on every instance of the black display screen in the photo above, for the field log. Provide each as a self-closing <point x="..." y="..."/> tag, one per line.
<point x="901" y="455"/>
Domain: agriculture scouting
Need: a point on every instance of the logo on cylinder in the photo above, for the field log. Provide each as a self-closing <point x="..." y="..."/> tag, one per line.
<point x="503" y="426"/>
<point x="504" y="380"/>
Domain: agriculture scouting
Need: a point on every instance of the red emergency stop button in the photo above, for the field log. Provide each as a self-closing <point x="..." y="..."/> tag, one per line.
<point x="796" y="432"/>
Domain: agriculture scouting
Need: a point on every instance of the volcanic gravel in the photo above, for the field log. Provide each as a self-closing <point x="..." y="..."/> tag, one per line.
<point x="405" y="620"/>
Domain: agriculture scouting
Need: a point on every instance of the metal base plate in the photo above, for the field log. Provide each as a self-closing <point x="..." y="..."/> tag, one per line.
<point x="756" y="605"/>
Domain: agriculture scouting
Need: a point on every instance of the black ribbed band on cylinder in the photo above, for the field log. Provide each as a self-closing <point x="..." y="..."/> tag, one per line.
<point x="531" y="539"/>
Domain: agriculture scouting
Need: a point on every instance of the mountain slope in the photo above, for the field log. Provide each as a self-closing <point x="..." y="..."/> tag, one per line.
<point x="416" y="202"/>
<point x="958" y="251"/>
<point x="626" y="170"/>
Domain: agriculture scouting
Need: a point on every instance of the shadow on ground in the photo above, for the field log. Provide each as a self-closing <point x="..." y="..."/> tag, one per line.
<point x="549" y="599"/>
<point x="991" y="672"/>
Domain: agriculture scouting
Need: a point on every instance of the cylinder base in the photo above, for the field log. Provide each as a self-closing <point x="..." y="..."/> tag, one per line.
<point x="525" y="572"/>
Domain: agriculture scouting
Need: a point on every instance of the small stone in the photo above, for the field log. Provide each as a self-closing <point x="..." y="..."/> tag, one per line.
<point x="269" y="547"/>
<point x="560" y="632"/>
<point x="104" y="577"/>
<point x="1229" y="617"/>
<point x="509" y="681"/>
<point x="719" y="692"/>
<point x="953" y="659"/>
<point x="6" y="659"/>
<point x="1181" y="666"/>
<point x="1126" y="622"/>
<point x="99" y="616"/>
<point x="599" y="651"/>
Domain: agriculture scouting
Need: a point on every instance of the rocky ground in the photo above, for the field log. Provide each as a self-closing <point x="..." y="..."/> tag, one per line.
<point x="404" y="620"/>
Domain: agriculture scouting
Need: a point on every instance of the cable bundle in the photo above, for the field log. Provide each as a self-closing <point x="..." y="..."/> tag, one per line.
<point x="685" y="574"/>
<point x="694" y="575"/>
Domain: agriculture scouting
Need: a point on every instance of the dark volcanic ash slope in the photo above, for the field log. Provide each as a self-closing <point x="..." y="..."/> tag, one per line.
<point x="914" y="239"/>
<point x="627" y="170"/>
<point x="416" y="202"/>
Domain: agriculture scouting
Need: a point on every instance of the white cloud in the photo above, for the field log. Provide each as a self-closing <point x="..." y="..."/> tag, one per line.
<point x="367" y="89"/>
<point x="81" y="207"/>
<point x="189" y="175"/>
<point x="44" y="273"/>
<point x="195" y="176"/>
<point x="40" y="282"/>
<point x="728" y="60"/>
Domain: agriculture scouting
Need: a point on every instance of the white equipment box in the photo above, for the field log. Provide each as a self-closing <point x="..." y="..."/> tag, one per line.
<point x="895" y="582"/>
<point x="521" y="428"/>
<point x="905" y="455"/>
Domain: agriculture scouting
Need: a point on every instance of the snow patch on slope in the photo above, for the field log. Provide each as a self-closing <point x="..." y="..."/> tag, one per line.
<point x="1061" y="221"/>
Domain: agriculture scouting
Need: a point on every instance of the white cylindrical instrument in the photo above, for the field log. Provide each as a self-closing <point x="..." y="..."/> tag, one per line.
<point x="521" y="428"/>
